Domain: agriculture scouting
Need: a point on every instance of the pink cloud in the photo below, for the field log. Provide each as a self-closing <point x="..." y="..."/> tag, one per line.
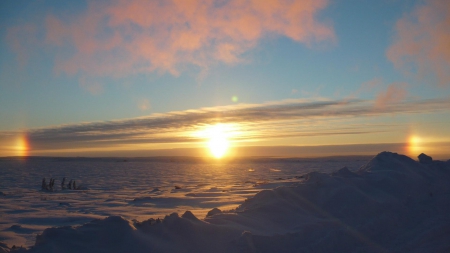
<point x="92" y="86"/>
<point x="144" y="104"/>
<point x="395" y="93"/>
<point x="135" y="36"/>
<point x="367" y="86"/>
<point x="21" y="38"/>
<point x="423" y="40"/>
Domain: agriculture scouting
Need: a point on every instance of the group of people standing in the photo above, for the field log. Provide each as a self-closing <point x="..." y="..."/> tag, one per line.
<point x="72" y="185"/>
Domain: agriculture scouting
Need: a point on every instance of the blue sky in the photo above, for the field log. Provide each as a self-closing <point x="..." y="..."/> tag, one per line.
<point x="57" y="69"/>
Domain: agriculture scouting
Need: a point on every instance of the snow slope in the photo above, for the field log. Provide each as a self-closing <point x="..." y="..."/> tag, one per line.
<point x="392" y="204"/>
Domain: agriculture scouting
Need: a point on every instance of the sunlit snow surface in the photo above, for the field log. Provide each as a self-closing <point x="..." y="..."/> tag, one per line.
<point x="388" y="203"/>
<point x="135" y="188"/>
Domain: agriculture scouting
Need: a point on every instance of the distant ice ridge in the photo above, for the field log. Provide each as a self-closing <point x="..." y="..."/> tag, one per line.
<point x="392" y="204"/>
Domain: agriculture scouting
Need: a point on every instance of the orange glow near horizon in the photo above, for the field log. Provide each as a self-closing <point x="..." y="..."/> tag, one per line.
<point x="414" y="145"/>
<point x="22" y="146"/>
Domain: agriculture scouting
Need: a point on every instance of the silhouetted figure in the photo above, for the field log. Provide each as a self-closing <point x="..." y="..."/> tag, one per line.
<point x="62" y="183"/>
<point x="74" y="186"/>
<point x="44" y="184"/>
<point x="70" y="184"/>
<point x="50" y="184"/>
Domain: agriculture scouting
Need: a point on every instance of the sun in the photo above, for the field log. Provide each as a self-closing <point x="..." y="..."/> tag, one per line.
<point x="218" y="146"/>
<point x="218" y="140"/>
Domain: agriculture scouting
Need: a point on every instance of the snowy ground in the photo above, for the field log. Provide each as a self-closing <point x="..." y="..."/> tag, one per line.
<point x="390" y="204"/>
<point x="136" y="189"/>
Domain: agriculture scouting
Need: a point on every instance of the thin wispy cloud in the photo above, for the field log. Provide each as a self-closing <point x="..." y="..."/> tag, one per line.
<point x="282" y="119"/>
<point x="395" y="92"/>
<point x="144" y="104"/>
<point x="422" y="42"/>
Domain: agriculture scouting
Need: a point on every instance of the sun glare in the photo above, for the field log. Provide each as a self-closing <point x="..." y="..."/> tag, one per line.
<point x="218" y="145"/>
<point x="217" y="137"/>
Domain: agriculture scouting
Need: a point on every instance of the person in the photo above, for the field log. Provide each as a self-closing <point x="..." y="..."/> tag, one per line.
<point x="44" y="184"/>
<point x="50" y="184"/>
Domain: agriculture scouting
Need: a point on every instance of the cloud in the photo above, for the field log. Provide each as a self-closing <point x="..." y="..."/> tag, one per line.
<point x="93" y="86"/>
<point x="422" y="40"/>
<point x="367" y="86"/>
<point x="22" y="39"/>
<point x="124" y="37"/>
<point x="281" y="119"/>
<point x="395" y="92"/>
<point x="144" y="104"/>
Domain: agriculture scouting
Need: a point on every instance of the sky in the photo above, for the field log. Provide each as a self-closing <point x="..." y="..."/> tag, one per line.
<point x="270" y="78"/>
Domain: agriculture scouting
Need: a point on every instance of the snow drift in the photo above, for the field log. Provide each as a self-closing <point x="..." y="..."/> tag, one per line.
<point x="392" y="204"/>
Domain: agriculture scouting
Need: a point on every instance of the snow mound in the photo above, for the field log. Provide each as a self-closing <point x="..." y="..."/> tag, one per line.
<point x="392" y="204"/>
<point x="423" y="158"/>
<point x="213" y="212"/>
